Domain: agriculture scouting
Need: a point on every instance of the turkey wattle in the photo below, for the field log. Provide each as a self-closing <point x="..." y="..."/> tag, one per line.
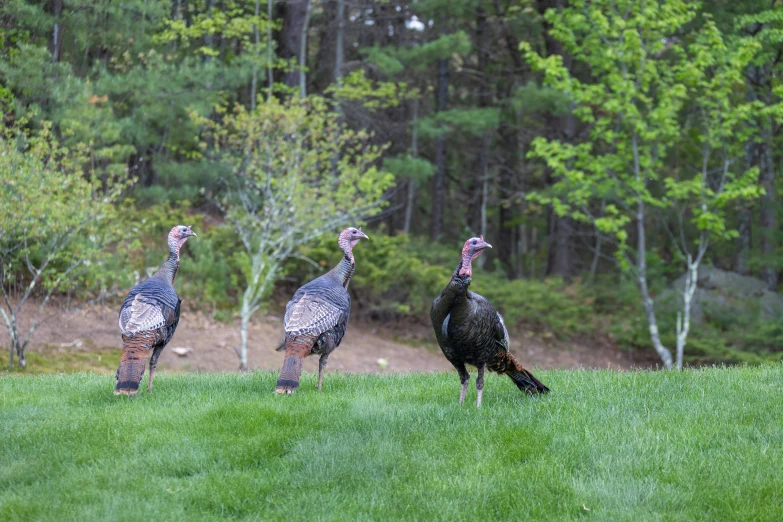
<point x="149" y="317"/>
<point x="317" y="316"/>
<point x="470" y="331"/>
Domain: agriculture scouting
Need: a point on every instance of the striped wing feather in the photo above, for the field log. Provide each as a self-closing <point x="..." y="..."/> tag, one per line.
<point x="316" y="308"/>
<point x="149" y="305"/>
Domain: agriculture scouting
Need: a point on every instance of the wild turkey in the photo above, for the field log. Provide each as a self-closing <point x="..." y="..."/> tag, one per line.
<point x="469" y="330"/>
<point x="317" y="316"/>
<point x="148" y="318"/>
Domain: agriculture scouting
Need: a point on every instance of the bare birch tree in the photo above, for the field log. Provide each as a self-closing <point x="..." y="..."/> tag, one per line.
<point x="285" y="192"/>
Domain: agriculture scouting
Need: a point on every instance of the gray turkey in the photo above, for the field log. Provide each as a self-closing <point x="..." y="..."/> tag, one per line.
<point x="149" y="317"/>
<point x="470" y="331"/>
<point x="317" y="316"/>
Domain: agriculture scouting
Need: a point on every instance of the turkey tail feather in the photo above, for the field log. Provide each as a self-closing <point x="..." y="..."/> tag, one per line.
<point x="296" y="349"/>
<point x="524" y="380"/>
<point x="135" y="352"/>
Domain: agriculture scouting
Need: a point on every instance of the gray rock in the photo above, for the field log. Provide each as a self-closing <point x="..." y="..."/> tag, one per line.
<point x="727" y="293"/>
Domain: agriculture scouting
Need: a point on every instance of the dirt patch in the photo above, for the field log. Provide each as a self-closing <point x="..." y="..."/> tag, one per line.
<point x="404" y="347"/>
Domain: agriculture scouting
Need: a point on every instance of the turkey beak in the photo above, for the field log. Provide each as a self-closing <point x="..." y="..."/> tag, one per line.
<point x="191" y="233"/>
<point x="363" y="235"/>
<point x="486" y="245"/>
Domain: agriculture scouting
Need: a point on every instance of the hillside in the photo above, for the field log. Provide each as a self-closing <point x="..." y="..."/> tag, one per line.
<point x="701" y="444"/>
<point x="88" y="340"/>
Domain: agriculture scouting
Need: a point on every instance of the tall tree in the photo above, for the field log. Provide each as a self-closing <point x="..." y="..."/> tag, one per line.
<point x="647" y="97"/>
<point x="439" y="179"/>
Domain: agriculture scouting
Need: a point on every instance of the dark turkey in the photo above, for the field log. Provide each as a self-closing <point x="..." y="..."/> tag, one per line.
<point x="470" y="331"/>
<point x="317" y="316"/>
<point x="149" y="317"/>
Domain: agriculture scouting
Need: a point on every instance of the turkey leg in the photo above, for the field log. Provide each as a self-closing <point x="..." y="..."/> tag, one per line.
<point x="464" y="378"/>
<point x="153" y="365"/>
<point x="480" y="383"/>
<point x="321" y="366"/>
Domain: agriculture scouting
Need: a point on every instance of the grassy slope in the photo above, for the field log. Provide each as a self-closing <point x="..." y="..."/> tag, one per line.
<point x="702" y="444"/>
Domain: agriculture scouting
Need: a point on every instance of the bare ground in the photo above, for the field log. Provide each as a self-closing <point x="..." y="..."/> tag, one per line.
<point x="404" y="347"/>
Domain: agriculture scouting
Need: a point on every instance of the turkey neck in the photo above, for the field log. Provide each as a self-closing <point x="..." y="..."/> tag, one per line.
<point x="168" y="272"/>
<point x="345" y="268"/>
<point x="458" y="287"/>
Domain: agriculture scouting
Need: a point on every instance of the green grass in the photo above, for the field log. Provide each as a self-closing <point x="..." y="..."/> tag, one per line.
<point x="703" y="444"/>
<point x="57" y="360"/>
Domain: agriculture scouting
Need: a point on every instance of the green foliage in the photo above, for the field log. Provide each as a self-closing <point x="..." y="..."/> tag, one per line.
<point x="53" y="219"/>
<point x="732" y="335"/>
<point x="387" y="63"/>
<point x="297" y="173"/>
<point x="128" y="77"/>
<point x="533" y="97"/>
<point x="392" y="60"/>
<point x="135" y="86"/>
<point x="372" y="94"/>
<point x="474" y="122"/>
<point x="550" y="306"/>
<point x="649" y="94"/>
<point x="210" y="276"/>
<point x="651" y="99"/>
<point x="623" y="445"/>
<point x="400" y="276"/>
<point x="406" y="166"/>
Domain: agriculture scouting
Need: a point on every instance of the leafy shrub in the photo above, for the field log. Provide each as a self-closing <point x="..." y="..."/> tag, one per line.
<point x="210" y="265"/>
<point x="399" y="276"/>
<point x="724" y="336"/>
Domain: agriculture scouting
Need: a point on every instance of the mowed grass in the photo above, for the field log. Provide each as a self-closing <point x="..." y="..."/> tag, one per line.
<point x="702" y="444"/>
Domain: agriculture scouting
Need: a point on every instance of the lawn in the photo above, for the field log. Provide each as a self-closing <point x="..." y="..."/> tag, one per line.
<point x="698" y="445"/>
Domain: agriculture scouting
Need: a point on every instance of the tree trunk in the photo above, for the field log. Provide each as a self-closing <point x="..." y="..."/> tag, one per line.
<point x="208" y="36"/>
<point x="243" y="345"/>
<point x="509" y="146"/>
<point x="684" y="319"/>
<point x="767" y="219"/>
<point x="339" y="51"/>
<point x="478" y="190"/>
<point x="522" y="250"/>
<point x="745" y="220"/>
<point x="641" y="266"/>
<point x="649" y="306"/>
<point x="561" y="244"/>
<point x="269" y="54"/>
<point x="439" y="180"/>
<point x="484" y="198"/>
<point x="57" y="37"/>
<point x="322" y="68"/>
<point x="254" y="79"/>
<point x="15" y="345"/>
<point x="564" y="128"/>
<point x="744" y="212"/>
<point x="303" y="50"/>
<point x="291" y="36"/>
<point x="412" y="182"/>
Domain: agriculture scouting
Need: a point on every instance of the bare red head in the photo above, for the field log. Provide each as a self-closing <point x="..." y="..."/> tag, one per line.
<point x="349" y="237"/>
<point x="178" y="236"/>
<point x="472" y="249"/>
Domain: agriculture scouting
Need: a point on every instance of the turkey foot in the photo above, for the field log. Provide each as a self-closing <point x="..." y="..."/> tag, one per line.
<point x="463" y="392"/>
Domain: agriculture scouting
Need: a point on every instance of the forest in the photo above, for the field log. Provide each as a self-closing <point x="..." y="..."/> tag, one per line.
<point x="620" y="156"/>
